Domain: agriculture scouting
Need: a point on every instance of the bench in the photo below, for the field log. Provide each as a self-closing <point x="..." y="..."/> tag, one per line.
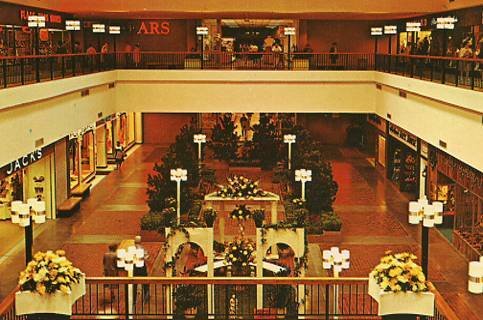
<point x="69" y="206"/>
<point x="82" y="190"/>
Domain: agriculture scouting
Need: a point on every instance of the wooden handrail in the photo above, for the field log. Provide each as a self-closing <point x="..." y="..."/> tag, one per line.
<point x="8" y="302"/>
<point x="447" y="58"/>
<point x="441" y="305"/>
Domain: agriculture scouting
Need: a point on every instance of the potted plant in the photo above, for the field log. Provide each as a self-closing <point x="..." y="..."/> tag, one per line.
<point x="399" y="286"/>
<point x="49" y="286"/>
<point x="187" y="299"/>
<point x="210" y="216"/>
<point x="258" y="217"/>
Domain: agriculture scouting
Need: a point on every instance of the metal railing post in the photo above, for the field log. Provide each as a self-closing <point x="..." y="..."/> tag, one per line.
<point x="22" y="71"/>
<point x="4" y="67"/>
<point x="37" y="68"/>
<point x="63" y="67"/>
<point x="51" y="67"/>
<point x="472" y="73"/>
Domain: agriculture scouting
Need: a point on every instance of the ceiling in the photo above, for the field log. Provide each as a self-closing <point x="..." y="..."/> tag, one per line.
<point x="249" y="9"/>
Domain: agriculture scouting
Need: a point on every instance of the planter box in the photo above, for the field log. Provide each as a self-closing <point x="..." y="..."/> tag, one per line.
<point x="151" y="236"/>
<point x="27" y="302"/>
<point x="421" y="303"/>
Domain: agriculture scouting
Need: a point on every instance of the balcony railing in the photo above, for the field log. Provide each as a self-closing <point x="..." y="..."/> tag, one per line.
<point x="465" y="73"/>
<point x="458" y="72"/>
<point x="229" y="298"/>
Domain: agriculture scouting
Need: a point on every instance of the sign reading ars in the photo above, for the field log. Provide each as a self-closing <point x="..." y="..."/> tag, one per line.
<point x="154" y="28"/>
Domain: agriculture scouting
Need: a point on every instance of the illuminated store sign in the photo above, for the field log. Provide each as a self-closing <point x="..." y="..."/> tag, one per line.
<point x="49" y="17"/>
<point x="445" y="22"/>
<point x="390" y="29"/>
<point x="376" y="31"/>
<point x="98" y="28"/>
<point x="114" y="30"/>
<point x="413" y="26"/>
<point x="24" y="161"/>
<point x="154" y="28"/>
<point x="72" y="25"/>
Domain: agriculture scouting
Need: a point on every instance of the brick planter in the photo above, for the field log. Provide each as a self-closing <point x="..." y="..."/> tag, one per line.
<point x="152" y="236"/>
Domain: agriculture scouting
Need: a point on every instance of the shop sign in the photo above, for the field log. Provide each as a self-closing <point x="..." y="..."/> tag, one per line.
<point x="49" y="17"/>
<point x="402" y="135"/>
<point x="460" y="172"/>
<point x="24" y="161"/>
<point x="161" y="28"/>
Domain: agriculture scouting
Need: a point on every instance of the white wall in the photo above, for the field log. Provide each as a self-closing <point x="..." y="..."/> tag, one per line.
<point x="431" y="111"/>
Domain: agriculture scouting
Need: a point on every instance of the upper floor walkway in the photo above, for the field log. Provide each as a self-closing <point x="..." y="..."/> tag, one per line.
<point x="459" y="72"/>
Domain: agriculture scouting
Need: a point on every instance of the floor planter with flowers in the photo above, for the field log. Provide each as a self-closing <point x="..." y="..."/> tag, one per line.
<point x="399" y="286"/>
<point x="49" y="286"/>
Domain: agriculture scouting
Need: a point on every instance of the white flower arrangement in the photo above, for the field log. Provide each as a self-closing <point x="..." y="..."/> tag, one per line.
<point x="48" y="273"/>
<point x="241" y="212"/>
<point x="240" y="252"/>
<point x="399" y="273"/>
<point x="240" y="187"/>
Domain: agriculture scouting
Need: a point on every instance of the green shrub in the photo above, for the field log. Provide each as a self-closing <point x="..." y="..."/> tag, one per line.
<point x="330" y="222"/>
<point x="152" y="222"/>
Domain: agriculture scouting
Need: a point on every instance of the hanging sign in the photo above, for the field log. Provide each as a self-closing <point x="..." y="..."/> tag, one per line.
<point x="376" y="31"/>
<point x="402" y="135"/>
<point x="24" y="161"/>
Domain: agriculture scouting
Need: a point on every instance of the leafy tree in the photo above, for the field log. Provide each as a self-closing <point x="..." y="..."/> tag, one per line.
<point x="224" y="139"/>
<point x="266" y="142"/>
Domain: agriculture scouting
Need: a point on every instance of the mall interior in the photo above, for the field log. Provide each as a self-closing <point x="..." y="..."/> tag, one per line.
<point x="241" y="160"/>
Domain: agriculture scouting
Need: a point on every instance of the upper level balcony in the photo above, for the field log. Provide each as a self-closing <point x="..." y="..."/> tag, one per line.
<point x="459" y="72"/>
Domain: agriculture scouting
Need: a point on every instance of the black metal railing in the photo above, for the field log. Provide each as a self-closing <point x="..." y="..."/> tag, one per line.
<point x="227" y="298"/>
<point x="459" y="72"/>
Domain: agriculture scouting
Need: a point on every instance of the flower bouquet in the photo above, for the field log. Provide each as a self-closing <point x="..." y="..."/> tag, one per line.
<point x="398" y="284"/>
<point x="240" y="187"/>
<point x="49" y="284"/>
<point x="239" y="253"/>
<point x="241" y="212"/>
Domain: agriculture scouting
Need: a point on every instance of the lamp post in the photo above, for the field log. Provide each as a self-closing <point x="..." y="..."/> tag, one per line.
<point x="25" y="214"/>
<point x="336" y="260"/>
<point x="288" y="31"/>
<point x="201" y="32"/>
<point x="199" y="139"/>
<point x="289" y="139"/>
<point x="475" y="276"/>
<point x="303" y="176"/>
<point x="178" y="175"/>
<point x="36" y="22"/>
<point x="128" y="259"/>
<point x="430" y="214"/>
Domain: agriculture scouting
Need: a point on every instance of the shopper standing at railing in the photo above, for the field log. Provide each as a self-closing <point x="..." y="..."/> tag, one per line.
<point x="466" y="53"/>
<point x="128" y="50"/>
<point x="105" y="54"/>
<point x="333" y="53"/>
<point x="137" y="55"/>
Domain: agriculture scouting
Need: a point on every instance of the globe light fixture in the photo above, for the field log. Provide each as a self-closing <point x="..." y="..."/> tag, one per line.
<point x="178" y="175"/>
<point x="475" y="276"/>
<point x="25" y="215"/>
<point x="337" y="260"/>
<point x="199" y="139"/>
<point x="303" y="176"/>
<point x="289" y="139"/>
<point x="429" y="214"/>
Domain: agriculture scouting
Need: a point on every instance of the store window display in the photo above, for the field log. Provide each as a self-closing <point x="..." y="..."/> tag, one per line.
<point x="88" y="165"/>
<point x="11" y="188"/>
<point x="73" y="163"/>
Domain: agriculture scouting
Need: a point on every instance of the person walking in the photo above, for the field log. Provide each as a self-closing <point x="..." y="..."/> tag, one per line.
<point x="119" y="154"/>
<point x="141" y="272"/>
<point x="109" y="263"/>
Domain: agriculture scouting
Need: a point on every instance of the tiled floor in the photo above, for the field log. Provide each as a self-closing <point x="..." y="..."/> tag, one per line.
<point x="373" y="212"/>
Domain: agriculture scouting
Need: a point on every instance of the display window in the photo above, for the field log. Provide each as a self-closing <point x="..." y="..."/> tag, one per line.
<point x="11" y="188"/>
<point x="110" y="137"/>
<point x="101" y="151"/>
<point x="131" y="128"/>
<point x="403" y="169"/>
<point x="73" y="158"/>
<point x="88" y="165"/>
<point x="122" y="130"/>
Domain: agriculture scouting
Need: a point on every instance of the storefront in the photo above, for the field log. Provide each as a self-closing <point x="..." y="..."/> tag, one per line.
<point x="81" y="156"/>
<point x="403" y="159"/>
<point x="375" y="144"/>
<point x="17" y="39"/>
<point x="121" y="128"/>
<point x="460" y="188"/>
<point x="31" y="176"/>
